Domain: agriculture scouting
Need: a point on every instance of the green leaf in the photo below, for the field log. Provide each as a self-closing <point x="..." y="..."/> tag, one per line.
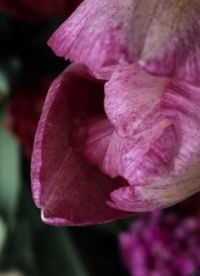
<point x="4" y="85"/>
<point x="3" y="234"/>
<point x="10" y="179"/>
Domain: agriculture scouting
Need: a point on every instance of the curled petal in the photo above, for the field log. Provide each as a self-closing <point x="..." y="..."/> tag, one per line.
<point x="172" y="46"/>
<point x="132" y="103"/>
<point x="97" y="34"/>
<point x="163" y="36"/>
<point x="142" y="142"/>
<point x="180" y="103"/>
<point x="67" y="189"/>
<point x="132" y="100"/>
<point x="161" y="193"/>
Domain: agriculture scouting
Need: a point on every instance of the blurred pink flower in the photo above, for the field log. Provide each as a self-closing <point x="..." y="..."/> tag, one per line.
<point x="36" y="9"/>
<point x="105" y="149"/>
<point x="162" y="244"/>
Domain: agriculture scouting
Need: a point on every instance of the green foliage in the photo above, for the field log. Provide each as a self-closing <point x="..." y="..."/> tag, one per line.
<point x="10" y="179"/>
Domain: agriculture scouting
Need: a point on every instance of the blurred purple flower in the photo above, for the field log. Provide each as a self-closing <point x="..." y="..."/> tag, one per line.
<point x="162" y="244"/>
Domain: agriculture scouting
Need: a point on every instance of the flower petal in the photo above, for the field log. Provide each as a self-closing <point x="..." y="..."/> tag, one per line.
<point x="161" y="193"/>
<point x="132" y="103"/>
<point x="97" y="34"/>
<point x="67" y="189"/>
<point x="181" y="105"/>
<point x="132" y="99"/>
<point x="172" y="44"/>
<point x="163" y="36"/>
<point x="96" y="140"/>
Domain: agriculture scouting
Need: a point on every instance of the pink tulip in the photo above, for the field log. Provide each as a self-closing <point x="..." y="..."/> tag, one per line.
<point x="105" y="149"/>
<point x="113" y="139"/>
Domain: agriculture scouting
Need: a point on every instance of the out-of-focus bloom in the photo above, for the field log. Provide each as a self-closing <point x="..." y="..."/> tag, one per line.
<point x="162" y="36"/>
<point x="161" y="244"/>
<point x="24" y="112"/>
<point x="36" y="9"/>
<point x="140" y="131"/>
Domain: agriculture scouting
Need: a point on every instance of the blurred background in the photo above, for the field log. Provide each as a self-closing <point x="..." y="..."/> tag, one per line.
<point x="163" y="243"/>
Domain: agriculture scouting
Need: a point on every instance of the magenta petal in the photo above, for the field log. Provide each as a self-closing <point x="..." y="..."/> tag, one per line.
<point x="163" y="36"/>
<point x="162" y="193"/>
<point x="181" y="104"/>
<point x="68" y="190"/>
<point x="133" y="104"/>
<point x="132" y="99"/>
<point x="99" y="33"/>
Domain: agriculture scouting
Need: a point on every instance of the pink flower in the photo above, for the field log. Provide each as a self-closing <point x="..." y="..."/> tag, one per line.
<point x="105" y="149"/>
<point x="113" y="139"/>
<point x="36" y="9"/>
<point x="162" y="244"/>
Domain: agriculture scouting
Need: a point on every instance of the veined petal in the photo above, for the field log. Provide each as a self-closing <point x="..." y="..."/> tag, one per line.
<point x="160" y="194"/>
<point x="132" y="99"/>
<point x="133" y="104"/>
<point x="181" y="105"/>
<point x="163" y="36"/>
<point x="97" y="34"/>
<point x="172" y="46"/>
<point x="143" y="140"/>
<point x="67" y="189"/>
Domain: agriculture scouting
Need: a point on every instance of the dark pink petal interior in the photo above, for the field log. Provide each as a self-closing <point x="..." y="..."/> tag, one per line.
<point x="67" y="189"/>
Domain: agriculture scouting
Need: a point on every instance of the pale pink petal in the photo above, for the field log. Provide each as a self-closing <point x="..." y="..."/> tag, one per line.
<point x="162" y="193"/>
<point x="181" y="105"/>
<point x="67" y="189"/>
<point x="132" y="100"/>
<point x="132" y="103"/>
<point x="172" y="44"/>
<point x="151" y="154"/>
<point x="164" y="36"/>
<point x="148" y="146"/>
